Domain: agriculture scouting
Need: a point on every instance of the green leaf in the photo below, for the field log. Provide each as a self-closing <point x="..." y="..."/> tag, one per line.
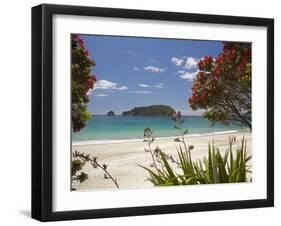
<point x="169" y="169"/>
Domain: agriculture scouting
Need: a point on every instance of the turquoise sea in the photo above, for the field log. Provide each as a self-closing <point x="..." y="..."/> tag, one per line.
<point x="108" y="129"/>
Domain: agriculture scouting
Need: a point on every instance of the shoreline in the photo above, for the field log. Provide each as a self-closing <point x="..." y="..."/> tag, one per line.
<point x="121" y="140"/>
<point x="123" y="159"/>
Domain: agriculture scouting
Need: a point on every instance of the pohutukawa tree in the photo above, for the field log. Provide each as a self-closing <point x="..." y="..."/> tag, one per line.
<point x="222" y="85"/>
<point x="82" y="82"/>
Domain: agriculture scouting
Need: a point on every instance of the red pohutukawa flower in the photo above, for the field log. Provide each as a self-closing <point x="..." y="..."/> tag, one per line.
<point x="86" y="52"/>
<point x="75" y="37"/>
<point x="224" y="83"/>
<point x="81" y="42"/>
<point x="82" y="81"/>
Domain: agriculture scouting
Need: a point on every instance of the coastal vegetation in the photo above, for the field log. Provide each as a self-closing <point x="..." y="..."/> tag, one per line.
<point x="230" y="167"/>
<point x="152" y="110"/>
<point x="93" y="160"/>
<point x="76" y="173"/>
<point x="223" y="85"/>
<point x="82" y="82"/>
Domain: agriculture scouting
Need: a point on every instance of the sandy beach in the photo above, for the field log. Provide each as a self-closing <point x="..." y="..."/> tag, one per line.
<point x="123" y="159"/>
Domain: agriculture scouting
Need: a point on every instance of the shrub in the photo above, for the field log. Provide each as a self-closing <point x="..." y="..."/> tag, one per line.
<point x="76" y="167"/>
<point x="95" y="164"/>
<point x="227" y="168"/>
<point x="230" y="167"/>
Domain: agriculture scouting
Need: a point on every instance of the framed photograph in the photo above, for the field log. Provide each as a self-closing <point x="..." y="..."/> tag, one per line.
<point x="145" y="112"/>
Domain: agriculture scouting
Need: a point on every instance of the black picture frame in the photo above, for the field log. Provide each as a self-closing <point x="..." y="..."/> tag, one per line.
<point x="42" y="197"/>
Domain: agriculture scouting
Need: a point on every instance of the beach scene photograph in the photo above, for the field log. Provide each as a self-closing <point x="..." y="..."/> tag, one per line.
<point x="153" y="112"/>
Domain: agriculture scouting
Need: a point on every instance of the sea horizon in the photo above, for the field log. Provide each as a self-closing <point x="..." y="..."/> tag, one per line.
<point x="102" y="129"/>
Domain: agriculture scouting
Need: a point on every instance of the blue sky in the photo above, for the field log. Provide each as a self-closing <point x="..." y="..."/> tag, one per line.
<point x="135" y="72"/>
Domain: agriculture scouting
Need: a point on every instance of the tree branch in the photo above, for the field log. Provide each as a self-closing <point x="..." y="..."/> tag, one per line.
<point x="95" y="164"/>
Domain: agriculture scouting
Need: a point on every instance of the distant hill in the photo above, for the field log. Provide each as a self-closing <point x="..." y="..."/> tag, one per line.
<point x="110" y="113"/>
<point x="153" y="110"/>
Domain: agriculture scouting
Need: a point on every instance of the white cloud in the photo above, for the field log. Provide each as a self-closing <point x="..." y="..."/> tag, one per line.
<point x="159" y="85"/>
<point x="101" y="95"/>
<point x="177" y="61"/>
<point x="143" y="85"/>
<point x="140" y="92"/>
<point x="187" y="75"/>
<point x="190" y="63"/>
<point x="107" y="85"/>
<point x="135" y="68"/>
<point x="186" y="62"/>
<point x="154" y="69"/>
<point x="122" y="88"/>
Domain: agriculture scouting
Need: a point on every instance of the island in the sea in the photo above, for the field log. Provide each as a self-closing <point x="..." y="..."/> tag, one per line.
<point x="110" y="113"/>
<point x="152" y="110"/>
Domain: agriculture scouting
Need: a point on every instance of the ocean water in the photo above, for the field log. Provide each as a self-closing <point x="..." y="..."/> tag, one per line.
<point x="108" y="129"/>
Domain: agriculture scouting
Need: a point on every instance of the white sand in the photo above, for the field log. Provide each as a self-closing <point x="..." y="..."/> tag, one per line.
<point x="123" y="159"/>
